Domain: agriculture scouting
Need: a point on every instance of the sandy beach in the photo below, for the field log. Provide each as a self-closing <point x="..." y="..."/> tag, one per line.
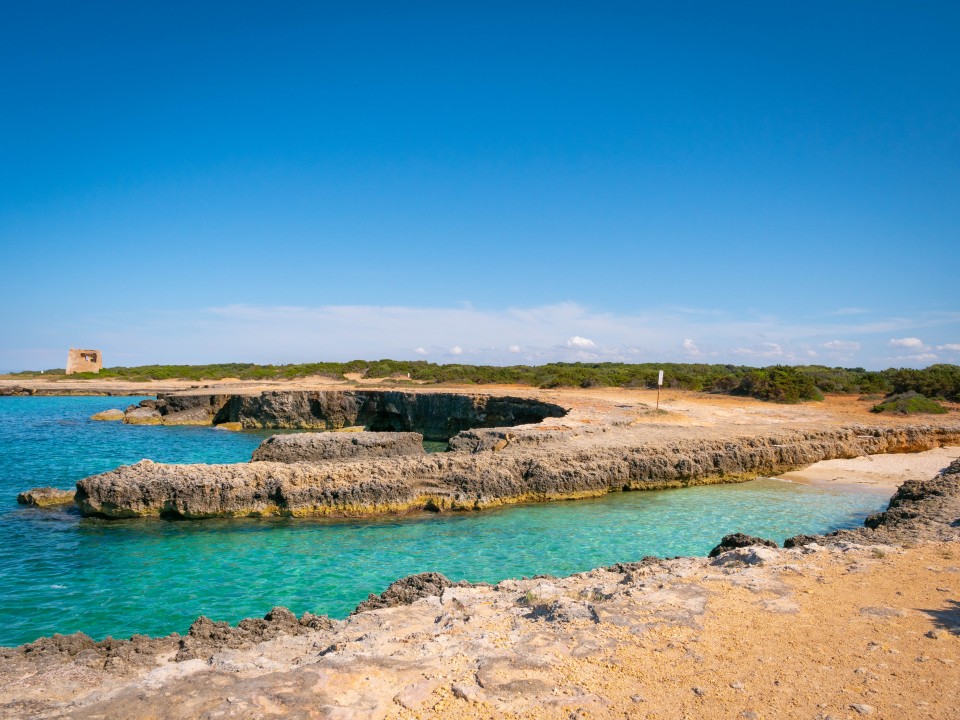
<point x="881" y="473"/>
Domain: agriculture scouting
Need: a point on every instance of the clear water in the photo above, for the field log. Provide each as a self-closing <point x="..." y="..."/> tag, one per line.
<point x="62" y="573"/>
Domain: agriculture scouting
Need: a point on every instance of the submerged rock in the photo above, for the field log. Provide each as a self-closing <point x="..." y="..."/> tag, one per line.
<point x="46" y="497"/>
<point x="313" y="447"/>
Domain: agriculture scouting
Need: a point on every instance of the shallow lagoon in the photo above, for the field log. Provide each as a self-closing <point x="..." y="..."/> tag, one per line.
<point x="62" y="573"/>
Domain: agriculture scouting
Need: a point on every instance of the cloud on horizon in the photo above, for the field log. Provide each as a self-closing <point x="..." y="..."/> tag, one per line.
<point x="559" y="332"/>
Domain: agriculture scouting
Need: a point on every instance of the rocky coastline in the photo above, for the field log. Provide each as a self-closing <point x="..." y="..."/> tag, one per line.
<point x="502" y="449"/>
<point x="442" y="649"/>
<point x="484" y="469"/>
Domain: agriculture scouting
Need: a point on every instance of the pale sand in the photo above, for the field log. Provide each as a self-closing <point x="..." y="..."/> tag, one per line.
<point x="882" y="473"/>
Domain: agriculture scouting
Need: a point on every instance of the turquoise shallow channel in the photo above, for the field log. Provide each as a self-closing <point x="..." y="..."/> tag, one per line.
<point x="62" y="573"/>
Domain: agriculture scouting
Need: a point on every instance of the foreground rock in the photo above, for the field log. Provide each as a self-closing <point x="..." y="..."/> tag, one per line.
<point x="534" y="466"/>
<point x="407" y="590"/>
<point x="315" y="447"/>
<point x="46" y="497"/>
<point x="740" y="540"/>
<point x="845" y="620"/>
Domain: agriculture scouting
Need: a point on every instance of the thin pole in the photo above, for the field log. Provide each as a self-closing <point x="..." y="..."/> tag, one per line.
<point x="658" y="397"/>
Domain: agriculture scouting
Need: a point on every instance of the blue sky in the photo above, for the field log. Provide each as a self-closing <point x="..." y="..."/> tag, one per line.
<point x="753" y="183"/>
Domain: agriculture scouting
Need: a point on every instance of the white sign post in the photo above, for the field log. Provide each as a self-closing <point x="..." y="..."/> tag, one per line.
<point x="659" y="385"/>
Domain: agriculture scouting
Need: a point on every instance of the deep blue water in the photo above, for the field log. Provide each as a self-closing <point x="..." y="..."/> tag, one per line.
<point x="62" y="573"/>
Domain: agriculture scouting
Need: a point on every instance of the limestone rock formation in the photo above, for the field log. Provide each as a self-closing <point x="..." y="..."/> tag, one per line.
<point x="207" y="637"/>
<point x="314" y="447"/>
<point x="437" y="416"/>
<point x="46" y="497"/>
<point x="407" y="590"/>
<point x="564" y="467"/>
<point x="740" y="540"/>
<point x="108" y="415"/>
<point x="142" y="416"/>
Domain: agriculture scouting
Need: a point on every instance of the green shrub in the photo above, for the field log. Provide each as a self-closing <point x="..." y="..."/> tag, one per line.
<point x="778" y="383"/>
<point x="781" y="383"/>
<point x="908" y="403"/>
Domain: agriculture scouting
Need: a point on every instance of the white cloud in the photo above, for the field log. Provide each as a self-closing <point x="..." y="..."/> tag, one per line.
<point x="245" y="333"/>
<point x="456" y="350"/>
<point x="918" y="357"/>
<point x="950" y="347"/>
<point x="690" y="347"/>
<point x="767" y="350"/>
<point x="848" y="311"/>
<point x="842" y="345"/>
<point x="911" y="343"/>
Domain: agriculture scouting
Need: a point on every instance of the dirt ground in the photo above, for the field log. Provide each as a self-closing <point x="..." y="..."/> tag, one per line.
<point x="846" y="637"/>
<point x="678" y="407"/>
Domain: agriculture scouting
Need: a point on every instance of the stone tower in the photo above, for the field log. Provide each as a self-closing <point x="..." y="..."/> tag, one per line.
<point x="84" y="361"/>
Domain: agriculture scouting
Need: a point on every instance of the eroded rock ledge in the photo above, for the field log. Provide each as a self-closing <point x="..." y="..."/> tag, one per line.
<point x="318" y="447"/>
<point x="524" y="465"/>
<point x="437" y="416"/>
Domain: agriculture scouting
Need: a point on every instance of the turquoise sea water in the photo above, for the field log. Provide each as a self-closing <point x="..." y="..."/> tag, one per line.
<point x="62" y="573"/>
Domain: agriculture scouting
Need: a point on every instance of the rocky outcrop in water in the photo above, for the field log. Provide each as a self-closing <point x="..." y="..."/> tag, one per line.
<point x="46" y="497"/>
<point x="109" y="415"/>
<point x="437" y="416"/>
<point x="143" y="415"/>
<point x="316" y="447"/>
<point x="587" y="464"/>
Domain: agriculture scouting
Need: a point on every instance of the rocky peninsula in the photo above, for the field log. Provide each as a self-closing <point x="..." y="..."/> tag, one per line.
<point x="502" y="449"/>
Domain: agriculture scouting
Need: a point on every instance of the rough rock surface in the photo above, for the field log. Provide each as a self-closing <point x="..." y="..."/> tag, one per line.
<point x="571" y="463"/>
<point x="206" y="637"/>
<point x="314" y="447"/>
<point x="407" y="590"/>
<point x="46" y="497"/>
<point x="740" y="540"/>
<point x="437" y="416"/>
<point x="142" y="416"/>
<point x="848" y="619"/>
<point x="108" y="415"/>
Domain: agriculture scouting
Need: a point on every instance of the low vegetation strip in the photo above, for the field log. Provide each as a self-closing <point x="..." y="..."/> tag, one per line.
<point x="779" y="383"/>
